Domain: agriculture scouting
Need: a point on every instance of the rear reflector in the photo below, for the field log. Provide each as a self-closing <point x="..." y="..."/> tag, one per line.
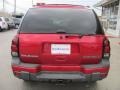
<point x="14" y="54"/>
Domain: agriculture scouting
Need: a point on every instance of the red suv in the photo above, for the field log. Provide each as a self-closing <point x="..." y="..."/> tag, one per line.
<point x="60" y="42"/>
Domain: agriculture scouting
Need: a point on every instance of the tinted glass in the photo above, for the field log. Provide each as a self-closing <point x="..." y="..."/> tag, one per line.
<point x="52" y="20"/>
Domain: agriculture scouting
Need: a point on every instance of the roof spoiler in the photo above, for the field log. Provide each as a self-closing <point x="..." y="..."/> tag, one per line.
<point x="60" y="5"/>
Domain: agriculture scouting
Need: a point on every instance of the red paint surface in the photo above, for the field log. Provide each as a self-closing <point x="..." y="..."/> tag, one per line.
<point x="82" y="49"/>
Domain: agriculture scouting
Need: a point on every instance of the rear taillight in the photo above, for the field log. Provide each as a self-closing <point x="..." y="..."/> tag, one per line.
<point x="106" y="49"/>
<point x="14" y="47"/>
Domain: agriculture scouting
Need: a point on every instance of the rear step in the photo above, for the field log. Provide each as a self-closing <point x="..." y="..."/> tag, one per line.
<point x="60" y="76"/>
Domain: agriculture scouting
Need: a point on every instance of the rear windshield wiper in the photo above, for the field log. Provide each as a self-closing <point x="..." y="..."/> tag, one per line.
<point x="87" y="34"/>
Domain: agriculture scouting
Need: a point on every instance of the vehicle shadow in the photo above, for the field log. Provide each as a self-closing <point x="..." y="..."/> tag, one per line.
<point x="55" y="86"/>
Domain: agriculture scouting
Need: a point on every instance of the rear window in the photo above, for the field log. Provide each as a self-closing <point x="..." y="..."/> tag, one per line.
<point x="6" y="19"/>
<point x="53" y="20"/>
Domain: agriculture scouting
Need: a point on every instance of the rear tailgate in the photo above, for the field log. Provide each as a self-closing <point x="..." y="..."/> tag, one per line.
<point x="57" y="49"/>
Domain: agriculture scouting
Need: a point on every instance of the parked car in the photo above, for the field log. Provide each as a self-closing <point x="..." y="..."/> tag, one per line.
<point x="17" y="22"/>
<point x="3" y="24"/>
<point x="10" y="22"/>
<point x="60" y="42"/>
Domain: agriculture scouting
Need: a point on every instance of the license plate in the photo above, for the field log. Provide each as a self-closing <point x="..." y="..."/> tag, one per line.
<point x="61" y="49"/>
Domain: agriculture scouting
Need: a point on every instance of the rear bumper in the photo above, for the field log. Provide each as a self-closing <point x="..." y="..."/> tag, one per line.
<point x="74" y="76"/>
<point x="33" y="72"/>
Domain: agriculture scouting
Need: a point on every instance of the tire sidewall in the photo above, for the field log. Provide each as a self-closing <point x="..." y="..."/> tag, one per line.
<point x="0" y="29"/>
<point x="8" y="27"/>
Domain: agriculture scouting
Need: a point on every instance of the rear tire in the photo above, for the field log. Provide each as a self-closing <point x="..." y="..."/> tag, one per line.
<point x="93" y="82"/>
<point x="8" y="27"/>
<point x="28" y="81"/>
<point x="0" y="29"/>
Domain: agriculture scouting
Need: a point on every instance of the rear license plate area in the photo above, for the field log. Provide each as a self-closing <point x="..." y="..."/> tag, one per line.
<point x="61" y="49"/>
